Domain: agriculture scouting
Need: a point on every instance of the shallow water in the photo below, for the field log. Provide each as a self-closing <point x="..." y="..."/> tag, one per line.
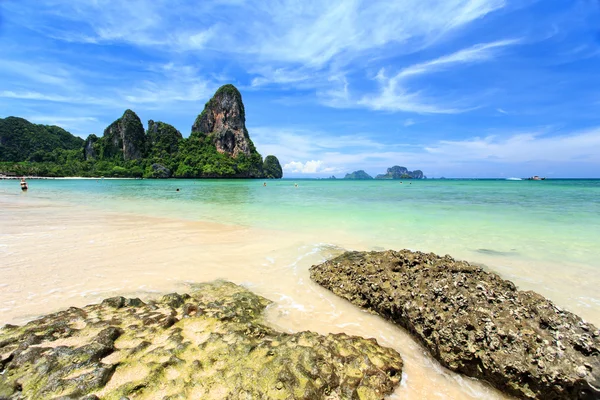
<point x="74" y="242"/>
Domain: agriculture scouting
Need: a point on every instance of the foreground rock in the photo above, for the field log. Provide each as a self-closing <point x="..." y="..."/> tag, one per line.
<point x="473" y="321"/>
<point x="210" y="344"/>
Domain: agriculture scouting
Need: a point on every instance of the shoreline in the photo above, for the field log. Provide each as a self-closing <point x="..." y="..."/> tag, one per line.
<point x="77" y="256"/>
<point x="292" y="310"/>
<point x="62" y="178"/>
<point x="58" y="251"/>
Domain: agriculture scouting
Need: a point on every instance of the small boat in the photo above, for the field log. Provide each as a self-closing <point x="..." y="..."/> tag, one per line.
<point x="514" y="179"/>
<point x="536" y="178"/>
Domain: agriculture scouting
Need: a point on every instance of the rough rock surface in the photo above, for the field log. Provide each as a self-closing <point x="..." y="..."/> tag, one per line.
<point x="159" y="171"/>
<point x="127" y="136"/>
<point x="89" y="151"/>
<point x="473" y="321"/>
<point x="224" y="119"/>
<point x="210" y="344"/>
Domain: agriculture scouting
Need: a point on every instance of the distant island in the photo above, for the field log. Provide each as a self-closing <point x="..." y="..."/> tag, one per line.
<point x="395" y="172"/>
<point x="219" y="146"/>
<point x="358" y="175"/>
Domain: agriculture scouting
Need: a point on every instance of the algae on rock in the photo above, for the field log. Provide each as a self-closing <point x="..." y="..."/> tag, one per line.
<point x="210" y="344"/>
<point x="473" y="321"/>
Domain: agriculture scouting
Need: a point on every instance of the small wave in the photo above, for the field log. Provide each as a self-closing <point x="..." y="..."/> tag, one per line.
<point x="497" y="252"/>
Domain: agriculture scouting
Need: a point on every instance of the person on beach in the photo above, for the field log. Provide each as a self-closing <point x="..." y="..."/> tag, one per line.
<point x="23" y="184"/>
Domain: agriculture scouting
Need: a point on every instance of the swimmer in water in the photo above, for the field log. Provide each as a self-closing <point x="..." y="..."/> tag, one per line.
<point x="264" y="183"/>
<point x="23" y="184"/>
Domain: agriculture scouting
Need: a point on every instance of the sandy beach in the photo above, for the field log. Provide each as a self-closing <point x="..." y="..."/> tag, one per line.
<point x="72" y="243"/>
<point x="54" y="256"/>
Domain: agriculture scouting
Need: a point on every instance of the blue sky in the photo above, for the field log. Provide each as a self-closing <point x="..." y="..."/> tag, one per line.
<point x="469" y="88"/>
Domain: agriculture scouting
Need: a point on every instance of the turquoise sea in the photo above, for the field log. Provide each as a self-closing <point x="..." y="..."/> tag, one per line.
<point x="535" y="226"/>
<point x="552" y="220"/>
<point x="76" y="241"/>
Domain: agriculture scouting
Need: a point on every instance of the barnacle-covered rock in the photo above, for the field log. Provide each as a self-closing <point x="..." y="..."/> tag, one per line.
<point x="209" y="344"/>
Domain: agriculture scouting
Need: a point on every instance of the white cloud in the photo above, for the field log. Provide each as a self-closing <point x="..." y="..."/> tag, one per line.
<point x="409" y="122"/>
<point x="308" y="167"/>
<point x="488" y="156"/>
<point x="47" y="74"/>
<point x="74" y="99"/>
<point x="315" y="32"/>
<point x="82" y="126"/>
<point x="281" y="42"/>
<point x="311" y="32"/>
<point x="582" y="146"/>
<point x="171" y="82"/>
<point x="395" y="95"/>
<point x="280" y="76"/>
<point x="477" y="53"/>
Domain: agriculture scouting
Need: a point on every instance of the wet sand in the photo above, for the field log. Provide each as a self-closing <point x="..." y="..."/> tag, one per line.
<point x="53" y="256"/>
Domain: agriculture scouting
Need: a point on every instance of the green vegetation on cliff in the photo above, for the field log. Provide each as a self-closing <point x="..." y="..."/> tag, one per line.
<point x="20" y="140"/>
<point x="218" y="147"/>
<point x="397" y="172"/>
<point x="272" y="168"/>
<point x="358" y="175"/>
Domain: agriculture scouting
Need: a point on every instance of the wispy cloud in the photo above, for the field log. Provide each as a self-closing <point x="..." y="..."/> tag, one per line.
<point x="76" y="125"/>
<point x="45" y="73"/>
<point x="280" y="42"/>
<point x="477" y="53"/>
<point x="280" y="76"/>
<point x="171" y="83"/>
<point x="395" y="94"/>
<point x="321" y="153"/>
<point x="583" y="146"/>
<point x="274" y="30"/>
<point x="308" y="167"/>
<point x="304" y="33"/>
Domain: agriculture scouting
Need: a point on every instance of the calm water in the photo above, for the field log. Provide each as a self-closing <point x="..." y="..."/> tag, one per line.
<point x="74" y="242"/>
<point x="554" y="221"/>
<point x="531" y="225"/>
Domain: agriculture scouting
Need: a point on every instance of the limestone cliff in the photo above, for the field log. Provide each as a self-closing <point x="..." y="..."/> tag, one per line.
<point x="162" y="137"/>
<point x="397" y="172"/>
<point x="272" y="168"/>
<point x="224" y="120"/>
<point x="89" y="150"/>
<point x="125" y="136"/>
<point x="358" y="175"/>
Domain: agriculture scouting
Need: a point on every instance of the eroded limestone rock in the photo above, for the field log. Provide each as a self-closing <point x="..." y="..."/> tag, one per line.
<point x="473" y="321"/>
<point x="224" y="119"/>
<point x="210" y="344"/>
